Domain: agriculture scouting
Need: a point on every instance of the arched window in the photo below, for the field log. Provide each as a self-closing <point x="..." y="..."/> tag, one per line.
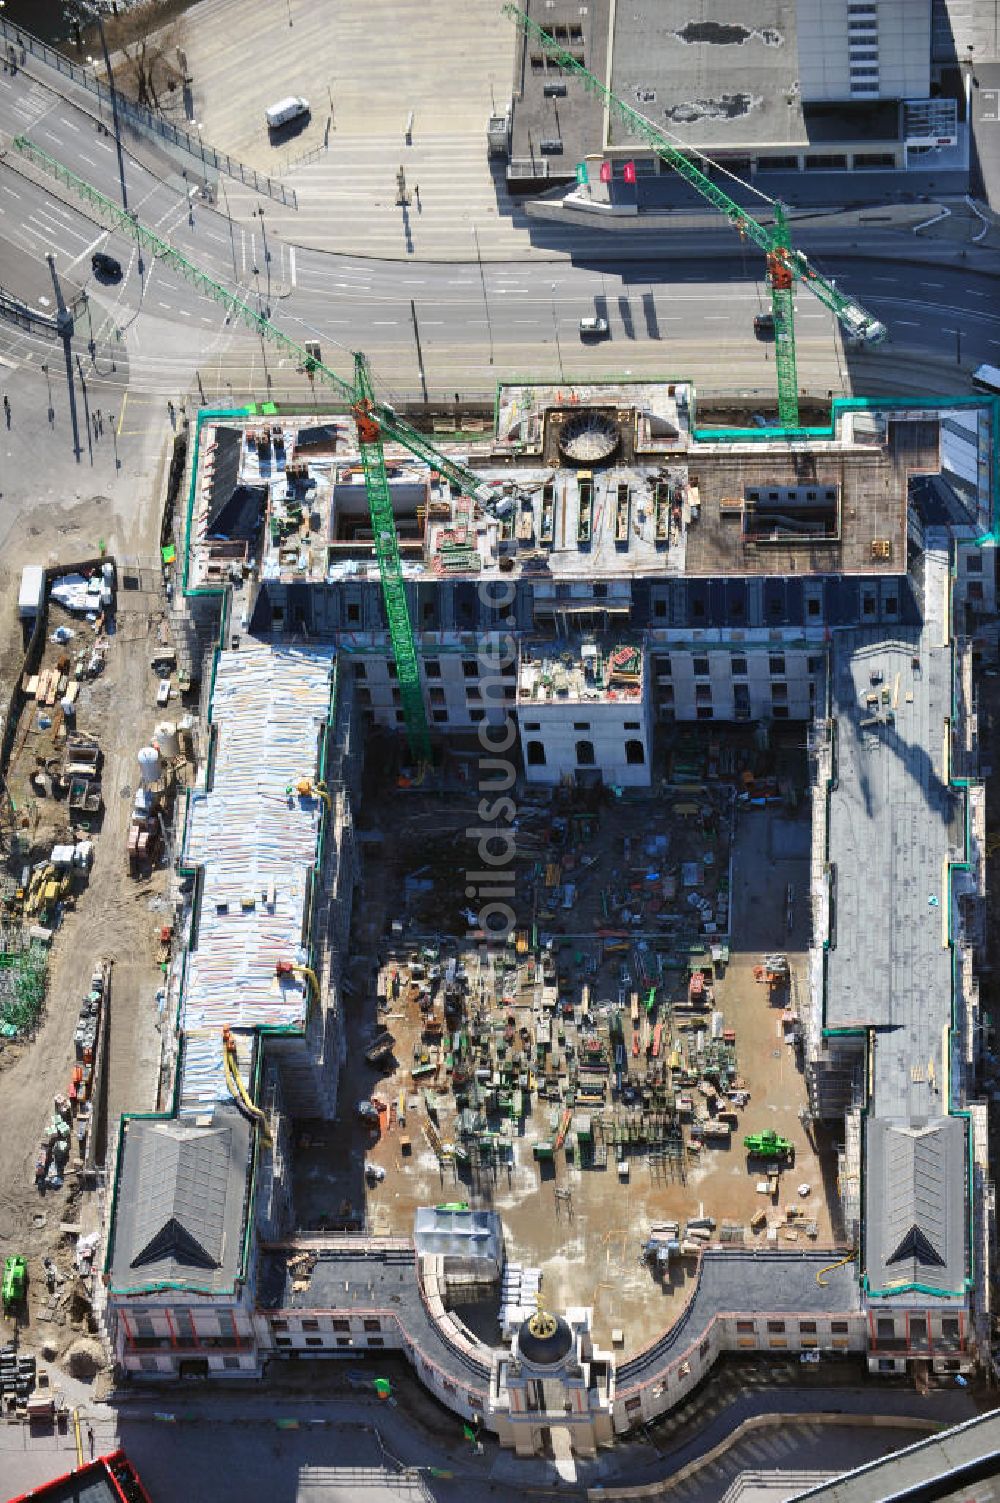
<point x="635" y="753"/>
<point x="536" y="754"/>
<point x="585" y="753"/>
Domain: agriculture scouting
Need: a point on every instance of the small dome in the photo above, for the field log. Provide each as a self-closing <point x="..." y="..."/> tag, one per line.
<point x="544" y="1339"/>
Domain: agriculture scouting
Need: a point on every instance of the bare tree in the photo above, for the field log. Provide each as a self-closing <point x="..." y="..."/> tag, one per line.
<point x="147" y="37"/>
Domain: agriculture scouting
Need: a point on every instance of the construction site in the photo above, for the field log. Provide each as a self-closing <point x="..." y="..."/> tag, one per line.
<point x="549" y="1006"/>
<point x="530" y="1040"/>
<point x="501" y="865"/>
<point x="567" y="861"/>
<point x="594" y="1081"/>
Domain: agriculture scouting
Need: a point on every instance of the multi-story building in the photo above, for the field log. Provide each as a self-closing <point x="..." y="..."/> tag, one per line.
<point x="785" y="91"/>
<point x="629" y="571"/>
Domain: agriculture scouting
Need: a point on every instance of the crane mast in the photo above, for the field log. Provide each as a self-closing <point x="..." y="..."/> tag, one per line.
<point x="404" y="647"/>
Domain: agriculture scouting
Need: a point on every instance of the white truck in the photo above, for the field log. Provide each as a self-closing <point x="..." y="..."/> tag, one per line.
<point x="31" y="595"/>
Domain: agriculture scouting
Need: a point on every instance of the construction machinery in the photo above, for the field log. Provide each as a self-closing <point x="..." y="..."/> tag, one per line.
<point x="376" y="420"/>
<point x="15" y="1283"/>
<point x="768" y="1145"/>
<point x="785" y="265"/>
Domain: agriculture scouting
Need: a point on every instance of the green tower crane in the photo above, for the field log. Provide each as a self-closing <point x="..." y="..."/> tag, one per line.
<point x="785" y="265"/>
<point x="375" y="420"/>
<point x="404" y="647"/>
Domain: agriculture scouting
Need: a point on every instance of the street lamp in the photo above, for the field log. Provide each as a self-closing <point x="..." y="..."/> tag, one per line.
<point x="232" y="237"/>
<point x="486" y="301"/>
<point x="555" y="330"/>
<point x="98" y="19"/>
<point x="267" y="261"/>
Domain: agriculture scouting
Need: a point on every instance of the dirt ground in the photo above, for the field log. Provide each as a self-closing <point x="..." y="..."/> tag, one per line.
<point x="576" y="1217"/>
<point x="113" y="918"/>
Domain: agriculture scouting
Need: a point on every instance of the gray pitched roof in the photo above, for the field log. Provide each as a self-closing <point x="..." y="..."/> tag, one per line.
<point x="180" y="1201"/>
<point x="182" y="1211"/>
<point x="915" y="1230"/>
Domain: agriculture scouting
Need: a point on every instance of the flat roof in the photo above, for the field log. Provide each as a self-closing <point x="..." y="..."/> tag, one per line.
<point x="577" y="481"/>
<point x="575" y="671"/>
<point x="340" y="1277"/>
<point x="731" y="1280"/>
<point x="254" y="837"/>
<point x="712" y="75"/>
<point x="572" y="118"/>
<point x="106" y="1479"/>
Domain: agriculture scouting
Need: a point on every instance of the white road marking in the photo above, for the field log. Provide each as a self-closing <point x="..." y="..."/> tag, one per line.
<point x="9" y="190"/>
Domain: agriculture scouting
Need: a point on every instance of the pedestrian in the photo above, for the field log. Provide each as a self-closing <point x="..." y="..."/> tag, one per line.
<point x="90" y="1440"/>
<point x="95" y="425"/>
<point x="6" y="409"/>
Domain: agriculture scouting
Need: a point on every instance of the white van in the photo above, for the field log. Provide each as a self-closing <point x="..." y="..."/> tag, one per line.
<point x="285" y="110"/>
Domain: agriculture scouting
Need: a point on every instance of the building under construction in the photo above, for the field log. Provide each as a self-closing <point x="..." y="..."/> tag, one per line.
<point x="618" y="623"/>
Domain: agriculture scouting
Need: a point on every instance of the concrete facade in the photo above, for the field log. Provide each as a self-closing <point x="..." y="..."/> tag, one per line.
<point x="869" y="49"/>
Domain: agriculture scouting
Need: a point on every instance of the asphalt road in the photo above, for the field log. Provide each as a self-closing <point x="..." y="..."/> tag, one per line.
<point x="687" y="313"/>
<point x="326" y="1446"/>
<point x="666" y="316"/>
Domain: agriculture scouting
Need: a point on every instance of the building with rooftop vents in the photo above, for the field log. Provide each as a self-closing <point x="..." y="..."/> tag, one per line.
<point x="784" y="94"/>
